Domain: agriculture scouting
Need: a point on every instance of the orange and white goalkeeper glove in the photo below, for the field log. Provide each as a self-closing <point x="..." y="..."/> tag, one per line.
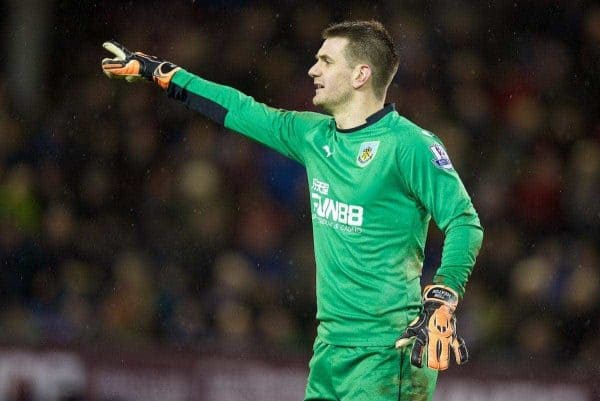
<point x="137" y="66"/>
<point x="435" y="329"/>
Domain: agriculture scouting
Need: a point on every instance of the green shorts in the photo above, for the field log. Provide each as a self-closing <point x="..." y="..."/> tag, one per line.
<point x="367" y="374"/>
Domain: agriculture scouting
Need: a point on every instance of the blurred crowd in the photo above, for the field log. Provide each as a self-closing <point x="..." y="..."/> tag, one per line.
<point x="125" y="218"/>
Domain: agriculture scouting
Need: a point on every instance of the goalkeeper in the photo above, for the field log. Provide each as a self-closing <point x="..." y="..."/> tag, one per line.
<point x="375" y="181"/>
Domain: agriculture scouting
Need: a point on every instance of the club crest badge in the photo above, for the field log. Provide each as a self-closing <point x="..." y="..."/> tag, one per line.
<point x="366" y="153"/>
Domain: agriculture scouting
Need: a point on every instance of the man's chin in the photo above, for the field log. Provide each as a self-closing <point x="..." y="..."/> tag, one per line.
<point x="323" y="105"/>
<point x="319" y="102"/>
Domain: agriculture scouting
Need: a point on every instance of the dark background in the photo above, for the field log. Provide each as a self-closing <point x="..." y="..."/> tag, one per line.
<point x="127" y="219"/>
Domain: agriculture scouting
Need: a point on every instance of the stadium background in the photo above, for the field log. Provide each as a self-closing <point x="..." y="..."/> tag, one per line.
<point x="145" y="251"/>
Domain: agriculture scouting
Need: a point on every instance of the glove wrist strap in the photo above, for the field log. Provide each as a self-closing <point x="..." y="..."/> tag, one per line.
<point x="440" y="293"/>
<point x="164" y="73"/>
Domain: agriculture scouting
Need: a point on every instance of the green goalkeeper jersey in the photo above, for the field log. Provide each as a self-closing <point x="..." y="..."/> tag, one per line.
<point x="373" y="190"/>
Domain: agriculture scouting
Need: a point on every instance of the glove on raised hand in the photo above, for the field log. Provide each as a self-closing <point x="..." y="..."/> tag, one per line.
<point x="137" y="66"/>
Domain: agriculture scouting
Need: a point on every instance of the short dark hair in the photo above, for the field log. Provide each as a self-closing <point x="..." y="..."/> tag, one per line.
<point x="370" y="42"/>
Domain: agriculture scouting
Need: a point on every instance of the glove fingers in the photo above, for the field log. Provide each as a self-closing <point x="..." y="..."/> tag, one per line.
<point x="416" y="357"/>
<point x="106" y="72"/>
<point x="117" y="68"/>
<point x="407" y="337"/>
<point x="438" y="354"/>
<point x="117" y="49"/>
<point x="112" y="61"/>
<point x="461" y="354"/>
<point x="410" y="332"/>
<point x="404" y="341"/>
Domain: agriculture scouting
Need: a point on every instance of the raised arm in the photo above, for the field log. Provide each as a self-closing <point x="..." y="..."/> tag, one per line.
<point x="280" y="130"/>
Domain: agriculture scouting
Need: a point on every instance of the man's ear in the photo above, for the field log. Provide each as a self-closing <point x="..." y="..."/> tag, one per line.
<point x="360" y="75"/>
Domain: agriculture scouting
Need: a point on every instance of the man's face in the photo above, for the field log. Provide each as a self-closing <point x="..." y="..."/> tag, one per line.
<point x="332" y="75"/>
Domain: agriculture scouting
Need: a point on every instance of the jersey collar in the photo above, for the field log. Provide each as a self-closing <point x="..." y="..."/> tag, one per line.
<point x="372" y="119"/>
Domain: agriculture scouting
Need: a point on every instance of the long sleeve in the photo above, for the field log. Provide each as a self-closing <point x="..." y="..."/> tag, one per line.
<point x="280" y="130"/>
<point x="438" y="188"/>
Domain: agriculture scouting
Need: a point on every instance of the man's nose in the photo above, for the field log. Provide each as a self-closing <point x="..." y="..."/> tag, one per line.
<point x="313" y="71"/>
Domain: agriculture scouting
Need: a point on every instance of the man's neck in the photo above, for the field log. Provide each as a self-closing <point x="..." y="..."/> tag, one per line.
<point x="355" y="113"/>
